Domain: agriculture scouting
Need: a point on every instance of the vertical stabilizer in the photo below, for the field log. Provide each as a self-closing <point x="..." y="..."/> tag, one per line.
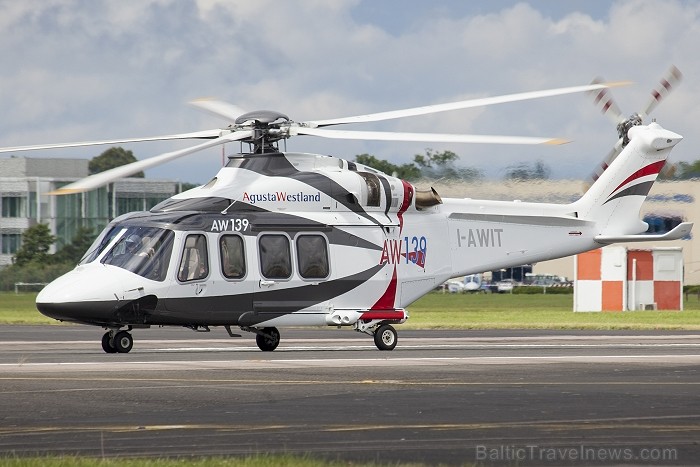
<point x="615" y="199"/>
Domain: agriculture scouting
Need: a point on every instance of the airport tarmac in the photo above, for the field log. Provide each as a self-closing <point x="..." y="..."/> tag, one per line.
<point x="452" y="397"/>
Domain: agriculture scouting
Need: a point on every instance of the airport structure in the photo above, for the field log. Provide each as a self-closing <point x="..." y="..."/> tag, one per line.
<point x="669" y="203"/>
<point x="617" y="278"/>
<point x="25" y="182"/>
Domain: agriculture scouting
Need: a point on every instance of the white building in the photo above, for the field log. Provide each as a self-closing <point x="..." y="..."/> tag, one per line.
<point x="25" y="182"/>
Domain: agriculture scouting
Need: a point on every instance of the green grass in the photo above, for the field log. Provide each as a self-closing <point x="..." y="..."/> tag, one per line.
<point x="20" y="309"/>
<point x="463" y="311"/>
<point x="260" y="460"/>
<point x="506" y="311"/>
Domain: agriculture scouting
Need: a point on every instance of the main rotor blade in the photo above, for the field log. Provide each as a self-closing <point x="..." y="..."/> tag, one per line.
<point x="108" y="176"/>
<point x="206" y="134"/>
<point x="222" y="109"/>
<point x="429" y="109"/>
<point x="427" y="137"/>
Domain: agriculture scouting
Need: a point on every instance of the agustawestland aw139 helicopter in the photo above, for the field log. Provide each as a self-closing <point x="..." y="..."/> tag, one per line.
<point x="292" y="239"/>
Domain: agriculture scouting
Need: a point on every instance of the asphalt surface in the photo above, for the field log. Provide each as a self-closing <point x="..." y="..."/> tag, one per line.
<point x="452" y="397"/>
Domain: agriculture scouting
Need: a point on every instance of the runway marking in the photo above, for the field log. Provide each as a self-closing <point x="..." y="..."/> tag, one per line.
<point x="640" y="423"/>
<point x="247" y="383"/>
<point x="165" y="365"/>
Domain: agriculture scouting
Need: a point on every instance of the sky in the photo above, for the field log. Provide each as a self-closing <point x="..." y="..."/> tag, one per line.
<point x="77" y="70"/>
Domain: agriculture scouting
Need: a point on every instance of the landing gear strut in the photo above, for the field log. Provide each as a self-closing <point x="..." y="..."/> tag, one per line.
<point x="115" y="341"/>
<point x="385" y="336"/>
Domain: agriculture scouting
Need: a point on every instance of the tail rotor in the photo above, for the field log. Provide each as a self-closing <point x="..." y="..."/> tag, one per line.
<point x="604" y="101"/>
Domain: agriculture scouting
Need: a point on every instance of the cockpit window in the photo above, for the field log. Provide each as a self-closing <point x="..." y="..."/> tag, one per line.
<point x="144" y="251"/>
<point x="99" y="244"/>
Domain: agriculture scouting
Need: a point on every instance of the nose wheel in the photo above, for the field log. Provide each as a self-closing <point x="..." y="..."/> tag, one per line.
<point x="117" y="342"/>
<point x="267" y="339"/>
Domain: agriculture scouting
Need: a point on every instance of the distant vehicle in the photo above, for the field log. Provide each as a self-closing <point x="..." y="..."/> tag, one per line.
<point x="472" y="283"/>
<point x="505" y="286"/>
<point x="549" y="280"/>
<point x="455" y="286"/>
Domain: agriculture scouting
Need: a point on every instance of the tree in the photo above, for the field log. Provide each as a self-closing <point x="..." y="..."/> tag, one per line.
<point x="681" y="171"/>
<point x="405" y="171"/>
<point x="111" y="158"/>
<point x="75" y="250"/>
<point x="526" y="171"/>
<point x="36" y="242"/>
<point x="442" y="165"/>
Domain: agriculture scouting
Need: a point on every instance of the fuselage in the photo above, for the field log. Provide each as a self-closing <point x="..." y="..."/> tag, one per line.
<point x="298" y="239"/>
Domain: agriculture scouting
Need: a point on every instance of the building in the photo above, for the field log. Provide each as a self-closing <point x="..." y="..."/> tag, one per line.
<point x="24" y="202"/>
<point x="668" y="204"/>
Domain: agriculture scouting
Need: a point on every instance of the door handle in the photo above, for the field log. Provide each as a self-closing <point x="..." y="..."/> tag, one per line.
<point x="264" y="283"/>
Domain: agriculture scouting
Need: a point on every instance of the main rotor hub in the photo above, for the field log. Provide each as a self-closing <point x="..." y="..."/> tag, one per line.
<point x="262" y="116"/>
<point x="624" y="127"/>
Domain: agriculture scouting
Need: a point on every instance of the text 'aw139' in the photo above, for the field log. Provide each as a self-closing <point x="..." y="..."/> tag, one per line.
<point x="292" y="239"/>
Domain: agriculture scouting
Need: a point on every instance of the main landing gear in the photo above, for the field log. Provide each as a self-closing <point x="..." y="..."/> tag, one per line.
<point x="116" y="341"/>
<point x="385" y="337"/>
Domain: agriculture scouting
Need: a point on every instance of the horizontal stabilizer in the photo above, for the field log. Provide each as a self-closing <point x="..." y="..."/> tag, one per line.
<point x="680" y="231"/>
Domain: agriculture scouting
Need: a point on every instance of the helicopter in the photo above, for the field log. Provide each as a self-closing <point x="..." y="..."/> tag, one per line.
<point x="280" y="238"/>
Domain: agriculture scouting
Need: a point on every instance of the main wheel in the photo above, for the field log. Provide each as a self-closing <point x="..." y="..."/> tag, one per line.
<point x="385" y="337"/>
<point x="123" y="342"/>
<point x="107" y="344"/>
<point x="268" y="340"/>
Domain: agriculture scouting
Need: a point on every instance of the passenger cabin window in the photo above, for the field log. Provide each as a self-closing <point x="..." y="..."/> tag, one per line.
<point x="312" y="256"/>
<point x="232" y="256"/>
<point x="275" y="256"/>
<point x="373" y="188"/>
<point x="194" y="264"/>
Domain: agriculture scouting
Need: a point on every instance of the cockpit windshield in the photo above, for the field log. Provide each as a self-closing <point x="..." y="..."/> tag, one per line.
<point x="144" y="251"/>
<point x="100" y="243"/>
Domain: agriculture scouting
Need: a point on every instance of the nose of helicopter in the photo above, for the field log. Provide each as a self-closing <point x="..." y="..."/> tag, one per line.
<point x="87" y="294"/>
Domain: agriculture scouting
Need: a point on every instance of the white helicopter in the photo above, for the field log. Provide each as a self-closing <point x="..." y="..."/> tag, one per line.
<point x="292" y="239"/>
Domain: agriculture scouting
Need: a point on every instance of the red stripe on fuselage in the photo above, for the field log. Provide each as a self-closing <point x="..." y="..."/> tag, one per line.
<point x="386" y="301"/>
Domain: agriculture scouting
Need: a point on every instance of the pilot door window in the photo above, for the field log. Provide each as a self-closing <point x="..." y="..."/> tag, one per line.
<point x="275" y="256"/>
<point x="194" y="263"/>
<point x="312" y="256"/>
<point x="232" y="256"/>
<point x="142" y="250"/>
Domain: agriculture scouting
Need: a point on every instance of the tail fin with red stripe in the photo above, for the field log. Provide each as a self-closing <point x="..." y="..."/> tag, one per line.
<point x="615" y="199"/>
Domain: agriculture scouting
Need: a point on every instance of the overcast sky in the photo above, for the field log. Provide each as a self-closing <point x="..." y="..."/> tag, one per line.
<point x="77" y="70"/>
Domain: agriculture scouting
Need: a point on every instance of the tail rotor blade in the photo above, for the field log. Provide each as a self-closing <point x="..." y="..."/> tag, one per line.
<point x="609" y="158"/>
<point x="603" y="99"/>
<point x="667" y="84"/>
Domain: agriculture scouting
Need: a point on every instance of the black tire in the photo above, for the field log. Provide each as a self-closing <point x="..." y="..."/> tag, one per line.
<point x="385" y="337"/>
<point x="123" y="342"/>
<point x="107" y="344"/>
<point x="268" y="340"/>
